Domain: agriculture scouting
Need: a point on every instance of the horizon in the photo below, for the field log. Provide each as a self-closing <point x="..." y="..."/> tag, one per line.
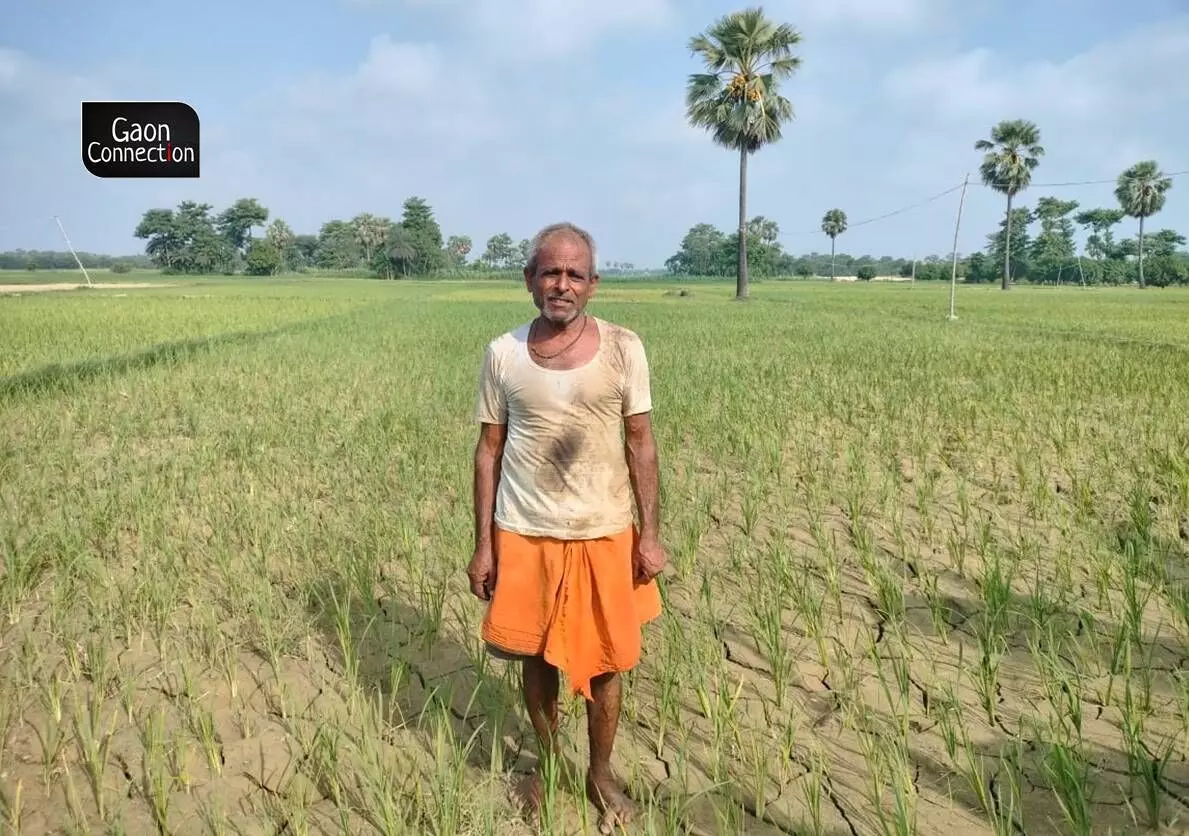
<point x="347" y="115"/>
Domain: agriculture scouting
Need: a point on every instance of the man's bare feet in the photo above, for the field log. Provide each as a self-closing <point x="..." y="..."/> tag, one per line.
<point x="614" y="806"/>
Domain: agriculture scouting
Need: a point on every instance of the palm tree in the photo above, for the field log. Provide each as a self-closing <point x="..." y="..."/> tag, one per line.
<point x="736" y="99"/>
<point x="1013" y="152"/>
<point x="1141" y="192"/>
<point x="833" y="224"/>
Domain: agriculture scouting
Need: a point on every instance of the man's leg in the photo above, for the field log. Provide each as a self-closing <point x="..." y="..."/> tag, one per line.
<point x="602" y="723"/>
<point x="540" y="698"/>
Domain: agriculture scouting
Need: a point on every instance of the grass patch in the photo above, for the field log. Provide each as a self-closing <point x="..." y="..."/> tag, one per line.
<point x="927" y="576"/>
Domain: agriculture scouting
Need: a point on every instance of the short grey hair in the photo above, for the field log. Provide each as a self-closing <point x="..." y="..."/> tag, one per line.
<point x="562" y="228"/>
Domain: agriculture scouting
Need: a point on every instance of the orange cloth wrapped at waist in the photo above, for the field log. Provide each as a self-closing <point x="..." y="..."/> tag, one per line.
<point x="574" y="602"/>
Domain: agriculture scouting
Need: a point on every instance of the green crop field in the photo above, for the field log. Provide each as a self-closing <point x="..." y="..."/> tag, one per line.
<point x="926" y="576"/>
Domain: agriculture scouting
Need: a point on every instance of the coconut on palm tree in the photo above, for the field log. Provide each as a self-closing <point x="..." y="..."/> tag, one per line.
<point x="737" y="99"/>
<point x="1012" y="153"/>
<point x="833" y="224"/>
<point x="1141" y="191"/>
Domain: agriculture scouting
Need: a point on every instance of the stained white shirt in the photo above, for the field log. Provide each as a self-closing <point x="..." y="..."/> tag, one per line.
<point x="564" y="472"/>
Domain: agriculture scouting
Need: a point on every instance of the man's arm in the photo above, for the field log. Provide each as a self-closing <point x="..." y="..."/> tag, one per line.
<point x="489" y="453"/>
<point x="644" y="470"/>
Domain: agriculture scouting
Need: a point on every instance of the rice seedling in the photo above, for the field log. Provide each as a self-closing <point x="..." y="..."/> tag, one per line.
<point x="768" y="605"/>
<point x="94" y="747"/>
<point x="1069" y="775"/>
<point x="814" y="784"/>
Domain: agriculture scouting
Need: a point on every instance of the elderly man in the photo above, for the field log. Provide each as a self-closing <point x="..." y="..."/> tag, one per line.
<point x="568" y="573"/>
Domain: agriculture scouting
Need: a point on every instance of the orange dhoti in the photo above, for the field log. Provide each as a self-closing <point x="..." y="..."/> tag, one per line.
<point x="574" y="602"/>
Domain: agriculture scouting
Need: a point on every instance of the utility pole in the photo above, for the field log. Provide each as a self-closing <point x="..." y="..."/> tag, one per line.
<point x="954" y="267"/>
<point x="72" y="252"/>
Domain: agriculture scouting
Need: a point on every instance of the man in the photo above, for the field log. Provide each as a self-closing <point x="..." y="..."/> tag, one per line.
<point x="568" y="573"/>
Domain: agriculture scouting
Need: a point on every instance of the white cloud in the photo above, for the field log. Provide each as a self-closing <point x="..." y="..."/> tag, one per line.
<point x="43" y="91"/>
<point x="414" y="70"/>
<point x="10" y="67"/>
<point x="1097" y="111"/>
<point x="400" y="90"/>
<point x="1136" y="75"/>
<point x="879" y="16"/>
<point x="542" y="30"/>
<point x="572" y="22"/>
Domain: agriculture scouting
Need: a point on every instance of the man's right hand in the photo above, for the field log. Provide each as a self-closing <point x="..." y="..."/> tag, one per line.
<point x="481" y="572"/>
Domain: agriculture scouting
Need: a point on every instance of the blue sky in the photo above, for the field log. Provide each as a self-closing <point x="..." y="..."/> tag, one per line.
<point x="508" y="116"/>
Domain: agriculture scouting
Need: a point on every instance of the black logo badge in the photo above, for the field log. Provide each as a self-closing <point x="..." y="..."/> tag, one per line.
<point x="140" y="139"/>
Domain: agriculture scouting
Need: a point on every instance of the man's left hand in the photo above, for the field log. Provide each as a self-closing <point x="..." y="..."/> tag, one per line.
<point x="648" y="559"/>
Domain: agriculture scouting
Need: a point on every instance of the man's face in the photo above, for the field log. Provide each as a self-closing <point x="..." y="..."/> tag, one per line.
<point x="564" y="281"/>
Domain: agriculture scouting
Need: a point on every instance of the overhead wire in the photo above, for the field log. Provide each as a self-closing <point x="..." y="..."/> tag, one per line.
<point x="1074" y="182"/>
<point x="885" y="215"/>
<point x="973" y="182"/>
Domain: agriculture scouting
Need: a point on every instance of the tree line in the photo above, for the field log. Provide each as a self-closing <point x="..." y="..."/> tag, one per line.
<point x="736" y="98"/>
<point x="1047" y="255"/>
<point x="192" y="240"/>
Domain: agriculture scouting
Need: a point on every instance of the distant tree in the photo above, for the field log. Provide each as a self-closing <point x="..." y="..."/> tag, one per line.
<point x="425" y="236"/>
<point x="500" y="253"/>
<point x="236" y="221"/>
<point x="866" y="273"/>
<point x="186" y="240"/>
<point x="764" y="230"/>
<point x="369" y="232"/>
<point x="980" y="269"/>
<point x="737" y="97"/>
<point x="1141" y="191"/>
<point x="396" y="253"/>
<point x="458" y="247"/>
<point x="305" y="249"/>
<point x="1012" y="153"/>
<point x="764" y="252"/>
<point x="699" y="252"/>
<point x="1052" y="250"/>
<point x="1100" y="243"/>
<point x="281" y="237"/>
<point x="525" y="249"/>
<point x="1165" y="270"/>
<point x="833" y="224"/>
<point x="339" y="247"/>
<point x="1164" y="242"/>
<point x="263" y="258"/>
<point x="1016" y="237"/>
<point x="164" y="243"/>
<point x="63" y="260"/>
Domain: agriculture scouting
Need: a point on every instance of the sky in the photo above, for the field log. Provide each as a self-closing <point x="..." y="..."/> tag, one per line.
<point x="507" y="116"/>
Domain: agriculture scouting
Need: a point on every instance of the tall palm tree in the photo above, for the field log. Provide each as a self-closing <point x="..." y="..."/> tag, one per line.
<point x="1012" y="153"/>
<point x="833" y="224"/>
<point x="369" y="233"/>
<point x="736" y="99"/>
<point x="1141" y="191"/>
